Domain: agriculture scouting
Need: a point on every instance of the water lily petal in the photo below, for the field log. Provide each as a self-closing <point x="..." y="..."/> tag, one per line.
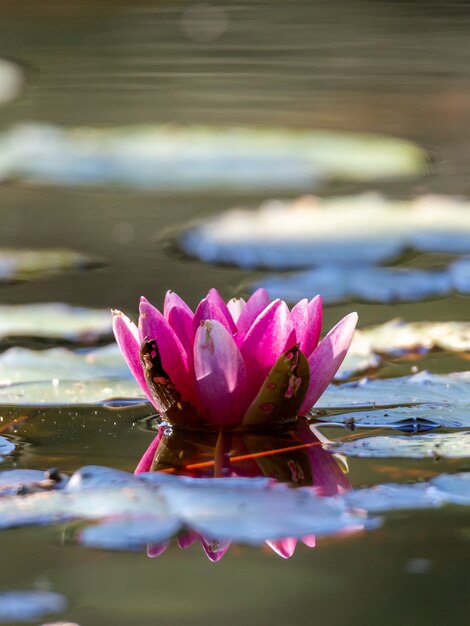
<point x="236" y="306"/>
<point x="309" y="540"/>
<point x="173" y="300"/>
<point x="180" y="317"/>
<point x="127" y="337"/>
<point x="214" y="549"/>
<point x="187" y="539"/>
<point x="326" y="359"/>
<point x="213" y="307"/>
<point x="220" y="374"/>
<point x="315" y="315"/>
<point x="155" y="549"/>
<point x="152" y="325"/>
<point x="266" y="340"/>
<point x="254" y="306"/>
<point x="182" y="323"/>
<point x="283" y="547"/>
<point x="300" y="320"/>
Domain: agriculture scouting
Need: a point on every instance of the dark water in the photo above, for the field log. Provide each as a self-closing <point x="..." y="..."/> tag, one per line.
<point x="401" y="68"/>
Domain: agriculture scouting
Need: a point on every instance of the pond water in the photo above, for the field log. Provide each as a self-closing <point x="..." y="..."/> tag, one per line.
<point x="394" y="68"/>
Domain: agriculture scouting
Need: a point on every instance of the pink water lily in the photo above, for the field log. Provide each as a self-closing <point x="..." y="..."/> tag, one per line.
<point x="240" y="364"/>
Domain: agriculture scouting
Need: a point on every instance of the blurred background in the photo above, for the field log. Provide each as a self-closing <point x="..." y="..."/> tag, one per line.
<point x="399" y="68"/>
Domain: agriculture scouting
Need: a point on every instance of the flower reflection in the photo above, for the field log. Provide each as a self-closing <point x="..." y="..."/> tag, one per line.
<point x="292" y="456"/>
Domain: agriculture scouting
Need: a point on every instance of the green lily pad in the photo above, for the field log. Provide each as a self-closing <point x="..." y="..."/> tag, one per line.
<point x="435" y="445"/>
<point x="29" y="264"/>
<point x="200" y="158"/>
<point x="54" y="322"/>
<point x="361" y="229"/>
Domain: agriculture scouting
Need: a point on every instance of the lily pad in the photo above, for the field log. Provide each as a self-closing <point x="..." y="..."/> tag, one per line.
<point x="391" y="497"/>
<point x="108" y="391"/>
<point x="21" y="606"/>
<point x="372" y="284"/>
<point x="406" y="418"/>
<point x="352" y="230"/>
<point x="123" y="511"/>
<point x="21" y="365"/>
<point x="54" y="322"/>
<point x="435" y="445"/>
<point x="151" y="507"/>
<point x="199" y="158"/>
<point x="421" y="388"/>
<point x="397" y="338"/>
<point x="6" y="447"/>
<point x="29" y="264"/>
<point x="11" y="80"/>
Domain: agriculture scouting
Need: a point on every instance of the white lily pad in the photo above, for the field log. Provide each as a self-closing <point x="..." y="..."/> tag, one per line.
<point x="21" y="365"/>
<point x="29" y="264"/>
<point x="397" y="338"/>
<point x="421" y="388"/>
<point x="148" y="508"/>
<point x="196" y="157"/>
<point x="391" y="497"/>
<point x="6" y="447"/>
<point x="454" y="488"/>
<point x="129" y="511"/>
<point x="372" y="284"/>
<point x="11" y="80"/>
<point x="22" y="606"/>
<point x="418" y="418"/>
<point x="54" y="321"/>
<point x="17" y="481"/>
<point x="435" y="445"/>
<point x="109" y="391"/>
<point x="361" y="229"/>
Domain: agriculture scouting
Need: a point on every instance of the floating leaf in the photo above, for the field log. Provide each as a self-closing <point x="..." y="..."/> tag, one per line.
<point x="435" y="445"/>
<point x="54" y="321"/>
<point x="20" y="365"/>
<point x="6" y="447"/>
<point x="407" y="418"/>
<point x="337" y="284"/>
<point x="359" y="358"/>
<point x="396" y="338"/>
<point x="421" y="388"/>
<point x="13" y="482"/>
<point x="198" y="158"/>
<point x="29" y="264"/>
<point x="235" y="509"/>
<point x="352" y="230"/>
<point x="454" y="488"/>
<point x="391" y="497"/>
<point x="24" y="606"/>
<point x="11" y="80"/>
<point x="129" y="511"/>
<point x="111" y="391"/>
